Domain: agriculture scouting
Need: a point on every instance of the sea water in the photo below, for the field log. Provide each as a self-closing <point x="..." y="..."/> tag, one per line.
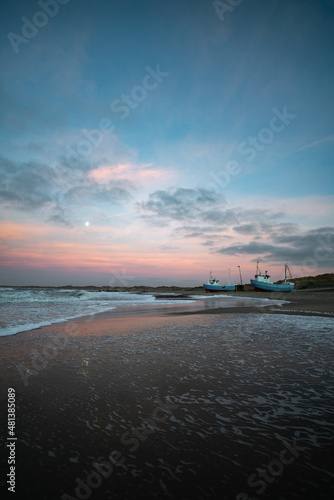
<point x="23" y="309"/>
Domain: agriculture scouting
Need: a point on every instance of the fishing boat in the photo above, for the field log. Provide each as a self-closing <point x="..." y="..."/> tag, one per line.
<point x="212" y="285"/>
<point x="262" y="282"/>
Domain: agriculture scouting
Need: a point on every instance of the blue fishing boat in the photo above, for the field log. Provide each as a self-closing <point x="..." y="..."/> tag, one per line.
<point x="262" y="282"/>
<point x="212" y="285"/>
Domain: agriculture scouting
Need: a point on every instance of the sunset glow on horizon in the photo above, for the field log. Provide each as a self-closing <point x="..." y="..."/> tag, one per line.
<point x="149" y="143"/>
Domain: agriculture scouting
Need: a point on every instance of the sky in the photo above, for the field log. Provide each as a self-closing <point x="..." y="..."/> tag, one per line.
<point x="153" y="142"/>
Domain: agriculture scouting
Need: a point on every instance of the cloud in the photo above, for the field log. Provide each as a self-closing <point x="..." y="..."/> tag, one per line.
<point x="9" y="196"/>
<point x="202" y="213"/>
<point x="316" y="245"/>
<point x="167" y="248"/>
<point x="25" y="187"/>
<point x="254" y="247"/>
<point x="205" y="217"/>
<point x="93" y="192"/>
<point x="269" y="228"/>
<point x="246" y="228"/>
<point x="145" y="174"/>
<point x="213" y="232"/>
<point x="204" y="206"/>
<point x="55" y="191"/>
<point x="7" y="165"/>
<point x="319" y="142"/>
<point x="59" y="220"/>
<point x="184" y="204"/>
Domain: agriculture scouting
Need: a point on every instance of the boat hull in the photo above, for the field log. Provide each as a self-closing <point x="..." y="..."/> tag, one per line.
<point x="219" y="288"/>
<point x="272" y="287"/>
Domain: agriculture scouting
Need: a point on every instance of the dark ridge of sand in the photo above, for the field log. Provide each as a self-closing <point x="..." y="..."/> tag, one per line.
<point x="304" y="303"/>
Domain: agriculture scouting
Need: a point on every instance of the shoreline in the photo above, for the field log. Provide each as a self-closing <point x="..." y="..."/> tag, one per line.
<point x="319" y="303"/>
<point x="303" y="303"/>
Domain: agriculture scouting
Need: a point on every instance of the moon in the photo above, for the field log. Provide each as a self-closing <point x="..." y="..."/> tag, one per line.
<point x="87" y="223"/>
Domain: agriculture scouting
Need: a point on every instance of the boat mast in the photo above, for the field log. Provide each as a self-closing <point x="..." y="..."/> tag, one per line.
<point x="240" y="275"/>
<point x="229" y="276"/>
<point x="287" y="270"/>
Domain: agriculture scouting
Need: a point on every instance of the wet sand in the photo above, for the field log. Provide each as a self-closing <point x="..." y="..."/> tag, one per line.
<point x="184" y="402"/>
<point x="304" y="303"/>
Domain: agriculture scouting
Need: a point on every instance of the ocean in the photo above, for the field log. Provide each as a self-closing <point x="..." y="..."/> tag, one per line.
<point x="24" y="309"/>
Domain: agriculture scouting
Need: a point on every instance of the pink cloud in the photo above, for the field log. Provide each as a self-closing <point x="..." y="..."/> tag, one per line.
<point x="144" y="174"/>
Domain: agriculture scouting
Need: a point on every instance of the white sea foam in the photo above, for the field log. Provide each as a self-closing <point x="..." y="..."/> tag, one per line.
<point x="24" y="309"/>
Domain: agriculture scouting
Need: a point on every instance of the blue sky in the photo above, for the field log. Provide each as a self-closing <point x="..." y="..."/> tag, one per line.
<point x="158" y="140"/>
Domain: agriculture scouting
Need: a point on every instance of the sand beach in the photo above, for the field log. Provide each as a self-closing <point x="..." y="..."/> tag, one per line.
<point x="181" y="401"/>
<point x="301" y="302"/>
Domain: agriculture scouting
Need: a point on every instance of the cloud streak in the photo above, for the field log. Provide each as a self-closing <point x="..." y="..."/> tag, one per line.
<point x="206" y="217"/>
<point x="313" y="246"/>
<point x="208" y="209"/>
<point x="319" y="142"/>
<point x="182" y="204"/>
<point x="57" y="190"/>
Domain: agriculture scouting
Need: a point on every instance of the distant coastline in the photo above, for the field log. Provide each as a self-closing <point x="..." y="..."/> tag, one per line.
<point x="321" y="282"/>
